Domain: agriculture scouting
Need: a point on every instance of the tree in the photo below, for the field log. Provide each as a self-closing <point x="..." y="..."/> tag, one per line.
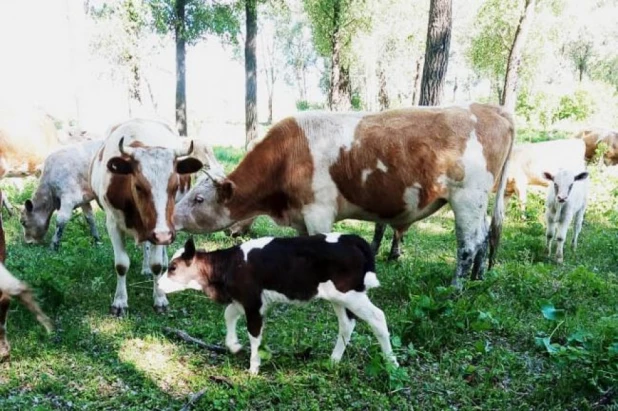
<point x="436" y="52"/>
<point x="300" y="55"/>
<point x="509" y="93"/>
<point x="250" y="71"/>
<point x="190" y="20"/>
<point x="334" y="23"/>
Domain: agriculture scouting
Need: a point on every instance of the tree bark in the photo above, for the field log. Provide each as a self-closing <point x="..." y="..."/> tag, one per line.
<point x="338" y="96"/>
<point x="436" y="52"/>
<point x="251" y="71"/>
<point x="181" y="86"/>
<point x="509" y="93"/>
<point x="417" y="81"/>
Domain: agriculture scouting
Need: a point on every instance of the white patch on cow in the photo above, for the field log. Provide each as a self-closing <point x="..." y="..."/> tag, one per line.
<point x="327" y="134"/>
<point x="254" y="363"/>
<point x="232" y="313"/>
<point x="332" y="237"/>
<point x="170" y="285"/>
<point x="411" y="197"/>
<point x="381" y="166"/>
<point x="365" y="174"/>
<point x="258" y="243"/>
<point x="473" y="118"/>
<point x="371" y="280"/>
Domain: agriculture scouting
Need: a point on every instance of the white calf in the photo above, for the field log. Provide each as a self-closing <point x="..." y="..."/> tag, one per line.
<point x="566" y="198"/>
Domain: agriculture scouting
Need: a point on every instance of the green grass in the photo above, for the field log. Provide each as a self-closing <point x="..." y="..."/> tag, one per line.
<point x="482" y="349"/>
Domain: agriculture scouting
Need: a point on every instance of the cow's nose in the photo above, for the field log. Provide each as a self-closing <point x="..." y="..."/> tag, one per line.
<point x="561" y="199"/>
<point x="162" y="237"/>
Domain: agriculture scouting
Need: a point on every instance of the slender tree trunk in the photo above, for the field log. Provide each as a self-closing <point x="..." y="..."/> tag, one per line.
<point x="251" y="72"/>
<point x="509" y="93"/>
<point x="339" y="98"/>
<point x="383" y="99"/>
<point x="417" y="81"/>
<point x="436" y="51"/>
<point x="181" y="86"/>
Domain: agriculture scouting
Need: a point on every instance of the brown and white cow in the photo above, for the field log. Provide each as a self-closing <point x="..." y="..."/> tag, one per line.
<point x="529" y="162"/>
<point x="135" y="177"/>
<point x="394" y="167"/>
<point x="12" y="287"/>
<point x="596" y="136"/>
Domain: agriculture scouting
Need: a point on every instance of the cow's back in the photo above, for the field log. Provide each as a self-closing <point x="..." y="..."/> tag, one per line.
<point x="536" y="158"/>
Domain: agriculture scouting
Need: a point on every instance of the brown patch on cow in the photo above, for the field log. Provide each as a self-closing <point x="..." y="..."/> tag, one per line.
<point x="592" y="139"/>
<point x="173" y="185"/>
<point x="136" y="144"/>
<point x="494" y="129"/>
<point x="132" y="194"/>
<point x="416" y="146"/>
<point x="275" y="177"/>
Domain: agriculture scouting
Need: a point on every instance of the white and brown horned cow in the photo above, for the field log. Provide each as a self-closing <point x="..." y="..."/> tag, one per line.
<point x="394" y="167"/>
<point x="135" y="177"/>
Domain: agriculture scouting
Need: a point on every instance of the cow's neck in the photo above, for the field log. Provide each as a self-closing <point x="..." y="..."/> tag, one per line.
<point x="43" y="200"/>
<point x="217" y="268"/>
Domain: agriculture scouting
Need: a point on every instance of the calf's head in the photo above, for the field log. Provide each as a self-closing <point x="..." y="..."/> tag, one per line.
<point x="35" y="220"/>
<point x="563" y="182"/>
<point x="182" y="272"/>
<point x="143" y="185"/>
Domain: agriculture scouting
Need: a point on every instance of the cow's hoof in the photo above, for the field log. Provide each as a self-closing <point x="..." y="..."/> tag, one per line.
<point x="5" y="352"/>
<point x="234" y="347"/>
<point x="54" y="246"/>
<point x="394" y="257"/>
<point x="118" y="311"/>
<point x="160" y="309"/>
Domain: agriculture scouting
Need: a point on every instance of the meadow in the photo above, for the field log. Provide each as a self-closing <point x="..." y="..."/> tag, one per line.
<point x="532" y="335"/>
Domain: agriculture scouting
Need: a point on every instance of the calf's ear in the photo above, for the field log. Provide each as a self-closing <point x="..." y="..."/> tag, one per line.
<point x="189" y="252"/>
<point x="29" y="206"/>
<point x="548" y="176"/>
<point x="581" y="176"/>
<point x="119" y="165"/>
<point x="188" y="165"/>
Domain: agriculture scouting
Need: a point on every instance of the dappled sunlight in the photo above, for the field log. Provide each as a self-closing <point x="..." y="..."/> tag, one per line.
<point x="158" y="360"/>
<point x="107" y="325"/>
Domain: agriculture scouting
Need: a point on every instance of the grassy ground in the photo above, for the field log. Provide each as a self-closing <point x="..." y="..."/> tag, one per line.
<point x="532" y="335"/>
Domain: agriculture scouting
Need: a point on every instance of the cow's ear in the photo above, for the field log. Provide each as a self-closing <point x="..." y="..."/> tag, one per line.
<point x="581" y="176"/>
<point x="29" y="206"/>
<point x="188" y="165"/>
<point x="119" y="165"/>
<point x="189" y="252"/>
<point x="225" y="191"/>
<point x="548" y="176"/>
<point x="56" y="203"/>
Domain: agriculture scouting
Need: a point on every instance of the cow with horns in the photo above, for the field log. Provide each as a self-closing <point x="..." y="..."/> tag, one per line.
<point x="135" y="177"/>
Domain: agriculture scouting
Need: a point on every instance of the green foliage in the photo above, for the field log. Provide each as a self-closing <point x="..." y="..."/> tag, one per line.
<point x="201" y="18"/>
<point x="578" y="106"/>
<point x="304" y="105"/>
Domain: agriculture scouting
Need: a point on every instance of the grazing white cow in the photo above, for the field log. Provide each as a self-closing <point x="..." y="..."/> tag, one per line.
<point x="64" y="186"/>
<point x="135" y="177"/>
<point x="566" y="198"/>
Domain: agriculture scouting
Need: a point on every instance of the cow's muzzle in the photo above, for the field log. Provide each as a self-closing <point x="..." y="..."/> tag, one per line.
<point x="162" y="237"/>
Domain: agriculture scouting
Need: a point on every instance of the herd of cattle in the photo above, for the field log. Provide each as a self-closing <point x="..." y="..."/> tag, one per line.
<point x="311" y="170"/>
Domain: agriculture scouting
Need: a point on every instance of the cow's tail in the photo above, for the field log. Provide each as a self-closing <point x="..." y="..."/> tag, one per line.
<point x="369" y="265"/>
<point x="497" y="218"/>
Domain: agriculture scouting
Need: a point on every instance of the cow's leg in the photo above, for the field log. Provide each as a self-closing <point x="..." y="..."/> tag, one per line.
<point x="470" y="208"/>
<point x="5" y="348"/>
<point x="398" y="233"/>
<point x="319" y="219"/>
<point x="254" y="326"/>
<point x="550" y="230"/>
<point x="363" y="308"/>
<point x="62" y="217"/>
<point x="378" y="234"/>
<point x="232" y="314"/>
<point x="89" y="216"/>
<point x="122" y="264"/>
<point x="346" y="327"/>
<point x="158" y="264"/>
<point x="478" y="269"/>
<point x="577" y="227"/>
<point x="561" y="233"/>
<point x="146" y="259"/>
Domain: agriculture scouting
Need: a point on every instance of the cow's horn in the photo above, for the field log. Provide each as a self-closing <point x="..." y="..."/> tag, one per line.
<point x="129" y="151"/>
<point x="181" y="152"/>
<point x="215" y="177"/>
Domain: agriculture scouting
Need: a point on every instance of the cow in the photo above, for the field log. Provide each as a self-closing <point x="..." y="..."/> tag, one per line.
<point x="135" y="179"/>
<point x="12" y="287"/>
<point x="25" y="141"/>
<point x="250" y="277"/>
<point x="593" y="137"/>
<point x="529" y="162"/>
<point x="566" y="199"/>
<point x="394" y="167"/>
<point x="63" y="186"/>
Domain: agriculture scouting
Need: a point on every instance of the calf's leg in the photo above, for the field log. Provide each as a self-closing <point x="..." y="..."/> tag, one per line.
<point x="550" y="231"/>
<point x="346" y="327"/>
<point x="63" y="216"/>
<point x="89" y="216"/>
<point x="158" y="263"/>
<point x="122" y="263"/>
<point x="254" y="325"/>
<point x="561" y="233"/>
<point x="5" y="348"/>
<point x="577" y="227"/>
<point x="232" y="314"/>
<point x="146" y="259"/>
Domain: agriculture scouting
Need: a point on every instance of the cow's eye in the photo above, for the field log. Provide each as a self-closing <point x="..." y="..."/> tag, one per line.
<point x="139" y="188"/>
<point x="171" y="268"/>
<point x="199" y="199"/>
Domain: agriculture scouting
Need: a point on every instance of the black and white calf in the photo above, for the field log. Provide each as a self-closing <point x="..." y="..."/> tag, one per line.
<point x="566" y="198"/>
<point x="249" y="277"/>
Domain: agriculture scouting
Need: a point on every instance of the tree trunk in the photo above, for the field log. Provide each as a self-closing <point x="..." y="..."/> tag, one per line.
<point x="251" y="72"/>
<point x="383" y="99"/>
<point x="338" y="96"/>
<point x="270" y="106"/>
<point x="509" y="93"/>
<point x="417" y="81"/>
<point x="436" y="51"/>
<point x="181" y="86"/>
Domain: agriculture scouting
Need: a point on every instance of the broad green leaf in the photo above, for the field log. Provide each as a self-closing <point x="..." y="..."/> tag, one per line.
<point x="552" y="313"/>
